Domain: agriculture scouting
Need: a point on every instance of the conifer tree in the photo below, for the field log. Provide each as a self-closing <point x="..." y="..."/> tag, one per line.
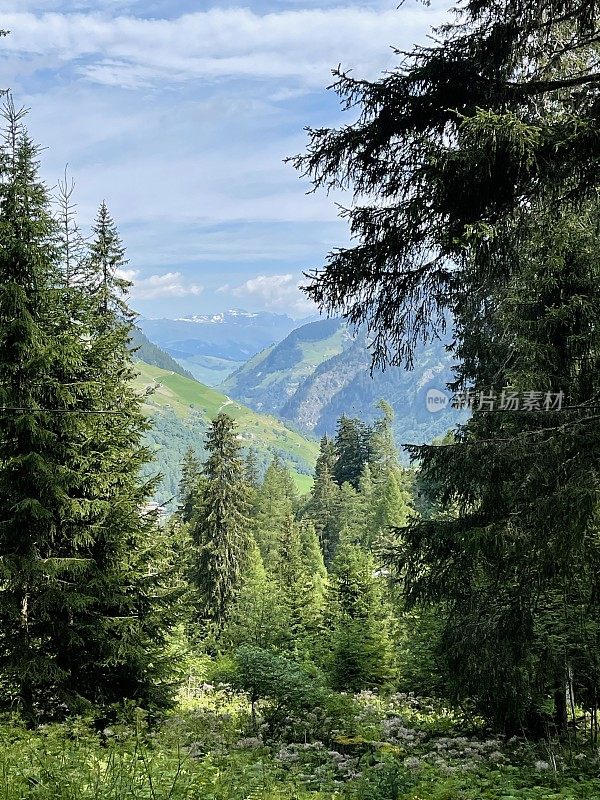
<point x="221" y="528"/>
<point x="134" y="584"/>
<point x="352" y="450"/>
<point x="314" y="583"/>
<point x="393" y="510"/>
<point x="383" y="454"/>
<point x="273" y="505"/>
<point x="70" y="239"/>
<point x="477" y="156"/>
<point x="327" y="456"/>
<point x="35" y="488"/>
<point x="107" y="262"/>
<point x="323" y="504"/>
<point x="368" y="503"/>
<point x="190" y="485"/>
<point x="360" y="645"/>
<point x="348" y="516"/>
<point x="301" y="584"/>
<point x="252" y="470"/>
<point x="256" y="617"/>
<point x="83" y="604"/>
<point x="312" y="557"/>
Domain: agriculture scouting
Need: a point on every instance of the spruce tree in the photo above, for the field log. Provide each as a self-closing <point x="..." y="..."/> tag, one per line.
<point x="384" y="455"/>
<point x="393" y="510"/>
<point x="135" y="583"/>
<point x="479" y="160"/>
<point x="252" y="469"/>
<point x="273" y="505"/>
<point x="348" y="515"/>
<point x="352" y="450"/>
<point x="312" y="557"/>
<point x="190" y="485"/>
<point x="359" y="640"/>
<point x="299" y="573"/>
<point x="83" y="601"/>
<point x="107" y="262"/>
<point x="35" y="486"/>
<point x="323" y="504"/>
<point x="221" y="528"/>
<point x="256" y="617"/>
<point x="368" y="504"/>
<point x="314" y="583"/>
<point x="70" y="239"/>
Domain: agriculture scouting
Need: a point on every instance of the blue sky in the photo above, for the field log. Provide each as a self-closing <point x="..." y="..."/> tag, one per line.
<point x="180" y="113"/>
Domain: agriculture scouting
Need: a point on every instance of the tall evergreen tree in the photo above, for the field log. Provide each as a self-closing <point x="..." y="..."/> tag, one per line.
<point x="35" y="487"/>
<point x="313" y="588"/>
<point x="273" y="505"/>
<point x="252" y="469"/>
<point x="368" y="503"/>
<point x="299" y="573"/>
<point x="82" y="601"/>
<point x="359" y="639"/>
<point x="221" y="528"/>
<point x="348" y="515"/>
<point x="107" y="262"/>
<point x="384" y="455"/>
<point x="393" y="509"/>
<point x="312" y="557"/>
<point x="352" y="450"/>
<point x="257" y="617"/>
<point x="323" y="504"/>
<point x="71" y="241"/>
<point x="480" y="160"/>
<point x="190" y="485"/>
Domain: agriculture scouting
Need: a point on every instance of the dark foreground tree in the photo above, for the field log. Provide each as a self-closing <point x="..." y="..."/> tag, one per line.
<point x="480" y="158"/>
<point x="81" y="594"/>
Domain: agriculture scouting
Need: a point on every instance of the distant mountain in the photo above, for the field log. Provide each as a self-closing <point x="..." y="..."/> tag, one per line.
<point x="320" y="371"/>
<point x="145" y="350"/>
<point x="269" y="380"/>
<point x="212" y="346"/>
<point x="181" y="411"/>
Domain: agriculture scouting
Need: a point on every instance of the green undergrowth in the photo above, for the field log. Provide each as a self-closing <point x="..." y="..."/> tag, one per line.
<point x="373" y="748"/>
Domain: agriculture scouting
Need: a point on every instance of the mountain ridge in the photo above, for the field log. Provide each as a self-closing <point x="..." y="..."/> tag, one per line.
<point x="313" y="394"/>
<point x="211" y="346"/>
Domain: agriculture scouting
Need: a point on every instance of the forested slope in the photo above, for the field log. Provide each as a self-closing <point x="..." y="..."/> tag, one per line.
<point x="181" y="409"/>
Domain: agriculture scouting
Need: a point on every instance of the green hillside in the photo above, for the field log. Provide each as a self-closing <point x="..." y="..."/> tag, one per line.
<point x="320" y="372"/>
<point x="145" y="350"/>
<point x="272" y="377"/>
<point x="182" y="408"/>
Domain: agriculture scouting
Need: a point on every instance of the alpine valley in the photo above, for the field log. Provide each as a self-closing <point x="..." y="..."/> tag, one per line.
<point x="212" y="346"/>
<point x="285" y="396"/>
<point x="321" y="371"/>
<point x="181" y="409"/>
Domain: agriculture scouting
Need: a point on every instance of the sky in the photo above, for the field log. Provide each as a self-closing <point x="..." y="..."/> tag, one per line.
<point x="179" y="113"/>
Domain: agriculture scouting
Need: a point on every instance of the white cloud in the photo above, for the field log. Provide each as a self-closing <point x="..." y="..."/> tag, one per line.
<point x="182" y="124"/>
<point x="171" y="284"/>
<point x="219" y="43"/>
<point x="272" y="292"/>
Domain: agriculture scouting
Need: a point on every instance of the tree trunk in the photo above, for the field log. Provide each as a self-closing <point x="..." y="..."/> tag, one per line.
<point x="560" y="709"/>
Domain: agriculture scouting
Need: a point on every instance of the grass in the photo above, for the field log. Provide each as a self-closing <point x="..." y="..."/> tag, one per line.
<point x="378" y="748"/>
<point x="265" y="433"/>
